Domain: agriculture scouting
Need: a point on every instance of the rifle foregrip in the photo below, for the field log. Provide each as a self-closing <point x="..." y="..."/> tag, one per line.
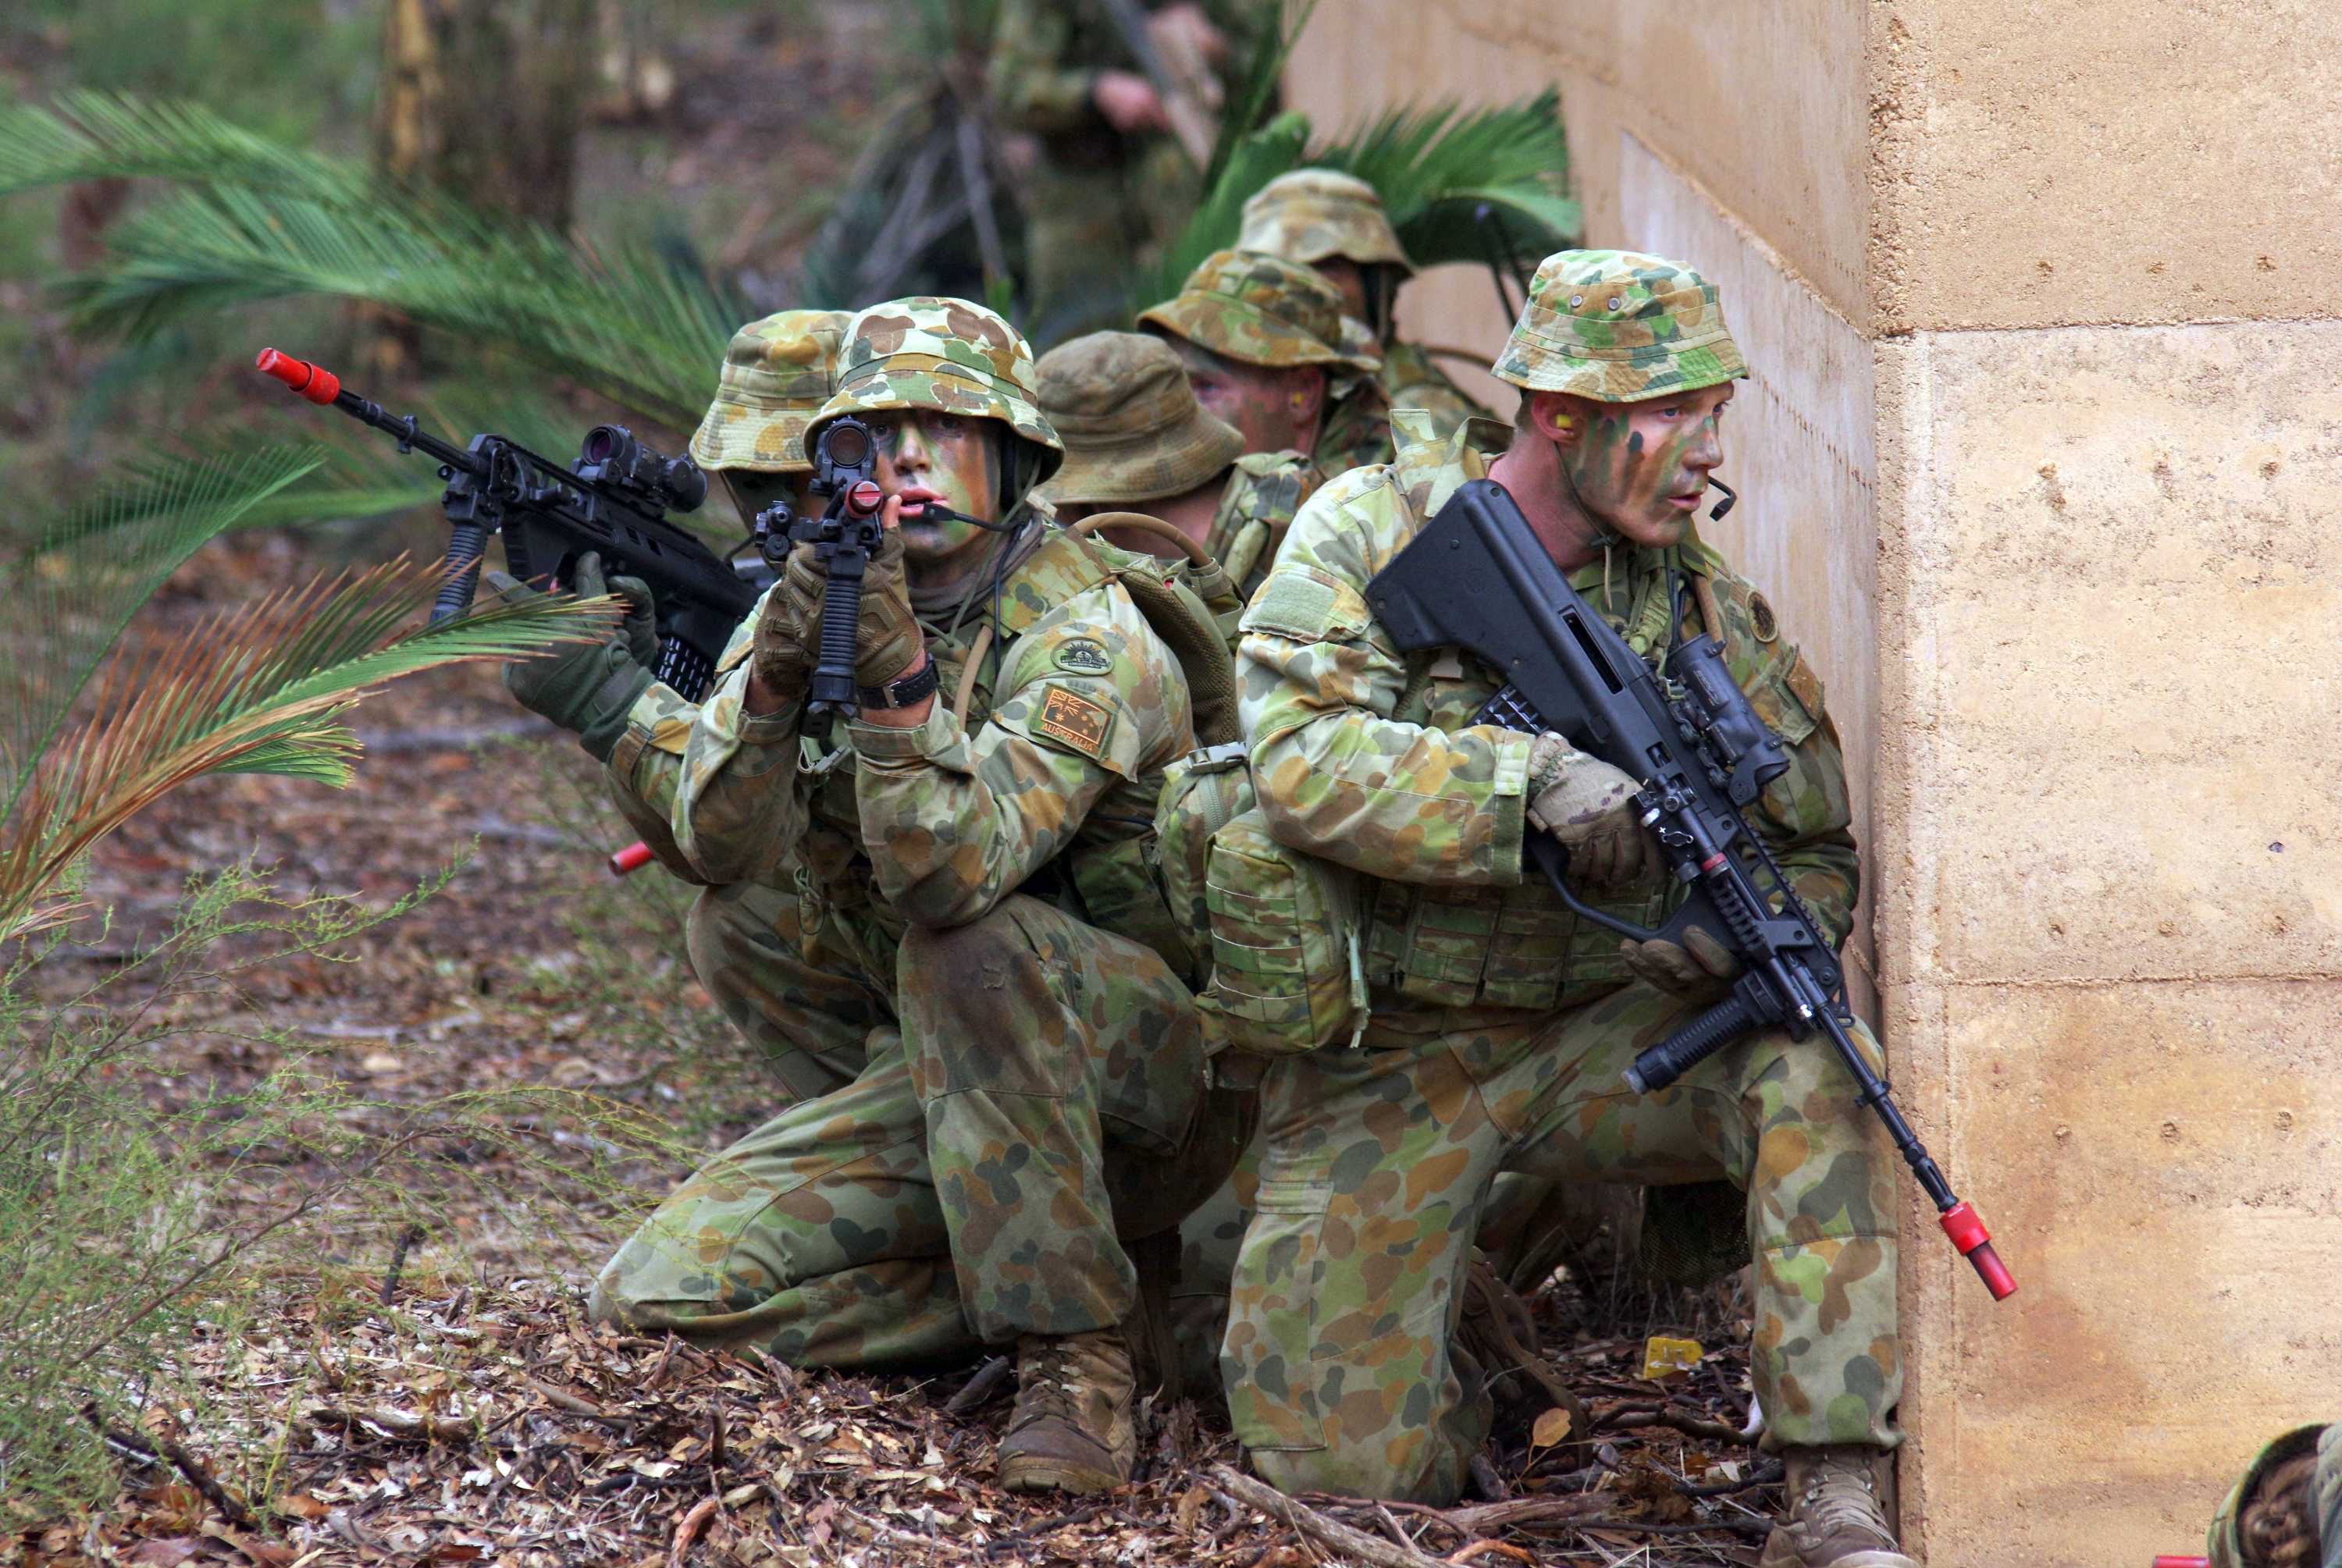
<point x="832" y="688"/>
<point x="1690" y="1046"/>
<point x="466" y="543"/>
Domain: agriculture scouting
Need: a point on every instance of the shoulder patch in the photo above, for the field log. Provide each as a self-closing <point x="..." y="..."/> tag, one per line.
<point x="1083" y="657"/>
<point x="1307" y="605"/>
<point x="1761" y="619"/>
<point x="1069" y="716"/>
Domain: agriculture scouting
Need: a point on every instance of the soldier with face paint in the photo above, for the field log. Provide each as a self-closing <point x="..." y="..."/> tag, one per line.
<point x="1137" y="439"/>
<point x="1032" y="1092"/>
<point x="1261" y="340"/>
<point x="1502" y="1024"/>
<point x="1335" y="223"/>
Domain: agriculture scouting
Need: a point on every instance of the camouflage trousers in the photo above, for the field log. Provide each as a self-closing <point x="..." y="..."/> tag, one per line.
<point x="751" y="948"/>
<point x="1376" y="1166"/>
<point x="1043" y="1098"/>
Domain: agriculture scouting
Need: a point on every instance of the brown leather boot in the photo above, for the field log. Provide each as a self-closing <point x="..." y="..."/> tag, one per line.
<point x="1072" y="1429"/>
<point x="1834" y="1517"/>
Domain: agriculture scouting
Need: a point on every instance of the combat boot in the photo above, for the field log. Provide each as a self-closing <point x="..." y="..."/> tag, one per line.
<point x="1832" y="1516"/>
<point x="1072" y="1429"/>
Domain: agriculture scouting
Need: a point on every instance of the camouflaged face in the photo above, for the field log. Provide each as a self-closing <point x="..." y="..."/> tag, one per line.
<point x="1618" y="327"/>
<point x="1132" y="427"/>
<point x="942" y="353"/>
<point x="1310" y="215"/>
<point x="1263" y="310"/>
<point x="776" y="376"/>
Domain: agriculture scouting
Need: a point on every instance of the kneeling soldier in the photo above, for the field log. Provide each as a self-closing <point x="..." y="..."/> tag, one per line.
<point x="1045" y="1096"/>
<point x="1500" y="1022"/>
<point x="1136" y="440"/>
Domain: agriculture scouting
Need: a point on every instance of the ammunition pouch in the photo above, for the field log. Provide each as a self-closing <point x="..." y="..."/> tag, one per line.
<point x="1282" y="928"/>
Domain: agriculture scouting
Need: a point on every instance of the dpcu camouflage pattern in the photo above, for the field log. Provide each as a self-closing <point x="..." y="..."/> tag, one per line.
<point x="1039" y="1057"/>
<point x="1311" y="214"/>
<point x="947" y="355"/>
<point x="1262" y="310"/>
<point x="775" y="374"/>
<point x="2225" y="1542"/>
<point x="1619" y="326"/>
<point x="1502" y="1023"/>
<point x="1264" y="494"/>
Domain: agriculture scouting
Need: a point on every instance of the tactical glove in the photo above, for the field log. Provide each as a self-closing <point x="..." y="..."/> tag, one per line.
<point x="1588" y="807"/>
<point x="1701" y="969"/>
<point x="888" y="640"/>
<point x="781" y="655"/>
<point x="588" y="689"/>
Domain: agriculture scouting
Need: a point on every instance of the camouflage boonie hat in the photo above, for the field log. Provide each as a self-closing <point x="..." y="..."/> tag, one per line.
<point x="1262" y="310"/>
<point x="1616" y="328"/>
<point x="776" y="375"/>
<point x="1310" y="215"/>
<point x="2224" y="1544"/>
<point x="1132" y="427"/>
<point x="947" y="355"/>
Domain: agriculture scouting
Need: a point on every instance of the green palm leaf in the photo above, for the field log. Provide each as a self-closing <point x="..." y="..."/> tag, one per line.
<point x="1459" y="186"/>
<point x="253" y="220"/>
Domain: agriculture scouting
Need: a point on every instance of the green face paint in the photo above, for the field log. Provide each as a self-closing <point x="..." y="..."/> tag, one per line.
<point x="925" y="455"/>
<point x="1640" y="468"/>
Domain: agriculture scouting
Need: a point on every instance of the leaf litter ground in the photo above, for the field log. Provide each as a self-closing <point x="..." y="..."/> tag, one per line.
<point x="458" y="1406"/>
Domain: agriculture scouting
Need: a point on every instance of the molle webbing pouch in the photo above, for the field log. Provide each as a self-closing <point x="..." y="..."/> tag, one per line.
<point x="1516" y="947"/>
<point x="1282" y="929"/>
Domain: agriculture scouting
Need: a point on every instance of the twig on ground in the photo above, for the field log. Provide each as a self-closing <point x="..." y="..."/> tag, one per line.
<point x="981" y="1387"/>
<point x="198" y="1474"/>
<point x="1300" y="1516"/>
<point x="1675" y="1420"/>
<point x="396" y="1422"/>
<point x="688" y="1530"/>
<point x="1484" y="1546"/>
<point x="409" y="1238"/>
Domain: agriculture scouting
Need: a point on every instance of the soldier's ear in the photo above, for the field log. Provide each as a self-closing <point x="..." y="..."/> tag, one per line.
<point x="1308" y="395"/>
<point x="1556" y="415"/>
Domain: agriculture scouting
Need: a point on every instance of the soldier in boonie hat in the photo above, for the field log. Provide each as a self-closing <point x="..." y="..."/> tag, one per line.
<point x="1335" y="223"/>
<point x="1137" y="439"/>
<point x="2286" y="1507"/>
<point x="1616" y="328"/>
<point x="775" y="377"/>
<point x="1262" y="339"/>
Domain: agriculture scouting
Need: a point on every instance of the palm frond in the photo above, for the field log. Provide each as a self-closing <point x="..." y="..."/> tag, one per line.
<point x="636" y="327"/>
<point x="1459" y="186"/>
<point x="82" y="578"/>
<point x="253" y="220"/>
<point x="107" y="135"/>
<point x="1438" y="167"/>
<point x="261" y="689"/>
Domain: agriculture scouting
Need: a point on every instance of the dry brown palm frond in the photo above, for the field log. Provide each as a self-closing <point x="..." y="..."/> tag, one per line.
<point x="259" y="689"/>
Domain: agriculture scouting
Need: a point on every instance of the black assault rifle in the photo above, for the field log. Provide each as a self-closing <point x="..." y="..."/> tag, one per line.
<point x="843" y="538"/>
<point x="616" y="501"/>
<point x="1477" y="579"/>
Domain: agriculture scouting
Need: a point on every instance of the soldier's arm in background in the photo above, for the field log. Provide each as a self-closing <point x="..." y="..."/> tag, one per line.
<point x="1806" y="816"/>
<point x="646" y="769"/>
<point x="1336" y="775"/>
<point x="1090" y="698"/>
<point x="736" y="807"/>
<point x="1034" y="86"/>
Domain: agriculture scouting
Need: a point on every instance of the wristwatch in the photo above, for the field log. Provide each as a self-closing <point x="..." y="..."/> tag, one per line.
<point x="903" y="691"/>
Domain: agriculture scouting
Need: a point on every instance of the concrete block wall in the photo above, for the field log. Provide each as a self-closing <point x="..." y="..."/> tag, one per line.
<point x="2036" y="463"/>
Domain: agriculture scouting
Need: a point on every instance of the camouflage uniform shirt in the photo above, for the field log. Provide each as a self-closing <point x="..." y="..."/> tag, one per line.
<point x="1264" y="491"/>
<point x="1373" y="761"/>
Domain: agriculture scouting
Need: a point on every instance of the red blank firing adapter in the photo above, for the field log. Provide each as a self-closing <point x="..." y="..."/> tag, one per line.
<point x="1975" y="1242"/>
<point x="864" y="499"/>
<point x="632" y="858"/>
<point x="313" y="382"/>
<point x="2183" y="1562"/>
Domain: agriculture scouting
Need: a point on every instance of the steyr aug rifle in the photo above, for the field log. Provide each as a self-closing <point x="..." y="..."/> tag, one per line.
<point x="616" y="501"/>
<point x="843" y="538"/>
<point x="1477" y="579"/>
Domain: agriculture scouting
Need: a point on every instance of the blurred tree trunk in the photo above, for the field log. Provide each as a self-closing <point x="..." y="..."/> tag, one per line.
<point x="482" y="99"/>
